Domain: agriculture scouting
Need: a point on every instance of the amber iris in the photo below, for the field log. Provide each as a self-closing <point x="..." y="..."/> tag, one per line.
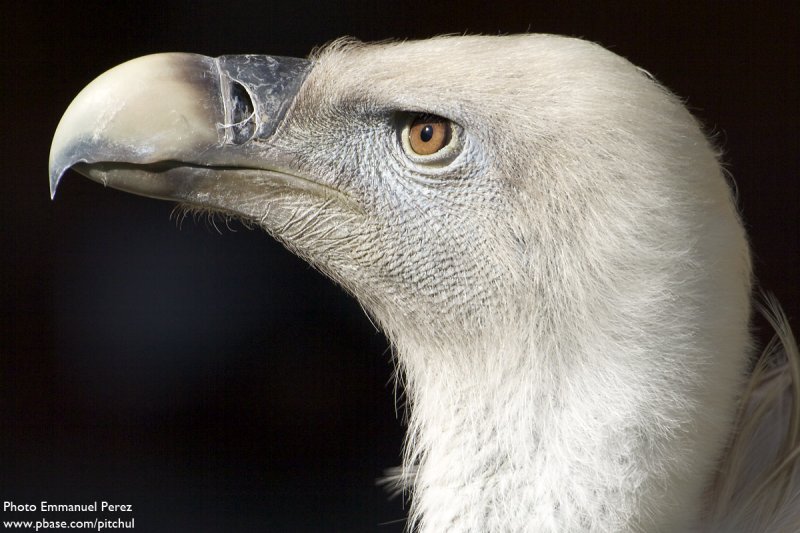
<point x="428" y="134"/>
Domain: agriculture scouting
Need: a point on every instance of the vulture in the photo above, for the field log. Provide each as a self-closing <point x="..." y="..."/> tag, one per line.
<point x="543" y="232"/>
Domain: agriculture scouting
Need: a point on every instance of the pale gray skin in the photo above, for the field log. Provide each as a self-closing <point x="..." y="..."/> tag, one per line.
<point x="566" y="284"/>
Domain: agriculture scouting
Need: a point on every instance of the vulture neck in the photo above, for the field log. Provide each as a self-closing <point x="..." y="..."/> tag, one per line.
<point x="510" y="438"/>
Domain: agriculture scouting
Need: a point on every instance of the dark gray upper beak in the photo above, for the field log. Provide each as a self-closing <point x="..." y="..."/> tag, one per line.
<point x="136" y="126"/>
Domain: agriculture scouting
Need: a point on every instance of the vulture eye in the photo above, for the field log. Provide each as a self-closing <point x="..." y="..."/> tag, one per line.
<point x="428" y="138"/>
<point x="428" y="134"/>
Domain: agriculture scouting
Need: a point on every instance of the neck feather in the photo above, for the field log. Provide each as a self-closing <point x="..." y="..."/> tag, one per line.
<point x="595" y="437"/>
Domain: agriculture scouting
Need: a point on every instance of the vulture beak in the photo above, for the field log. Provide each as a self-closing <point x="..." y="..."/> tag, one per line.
<point x="182" y="127"/>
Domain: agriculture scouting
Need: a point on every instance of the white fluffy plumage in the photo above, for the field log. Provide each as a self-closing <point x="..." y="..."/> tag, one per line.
<point x="594" y="385"/>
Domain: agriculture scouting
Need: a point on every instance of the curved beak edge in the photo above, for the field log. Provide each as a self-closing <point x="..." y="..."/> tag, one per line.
<point x="172" y="108"/>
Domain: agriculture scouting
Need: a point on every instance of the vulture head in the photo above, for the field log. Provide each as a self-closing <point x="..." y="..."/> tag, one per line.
<point x="542" y="230"/>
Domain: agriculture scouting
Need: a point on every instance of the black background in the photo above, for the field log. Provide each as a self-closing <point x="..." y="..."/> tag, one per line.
<point x="211" y="379"/>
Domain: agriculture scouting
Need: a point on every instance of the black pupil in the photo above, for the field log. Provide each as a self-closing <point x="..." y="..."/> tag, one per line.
<point x="427" y="133"/>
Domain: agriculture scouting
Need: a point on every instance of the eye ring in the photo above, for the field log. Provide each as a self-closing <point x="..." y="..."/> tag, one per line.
<point x="429" y="139"/>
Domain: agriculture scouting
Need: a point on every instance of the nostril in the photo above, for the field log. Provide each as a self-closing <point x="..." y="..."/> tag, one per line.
<point x="242" y="104"/>
<point x="242" y="124"/>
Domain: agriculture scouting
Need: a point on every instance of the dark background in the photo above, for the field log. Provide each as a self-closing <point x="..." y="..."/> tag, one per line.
<point x="211" y="379"/>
